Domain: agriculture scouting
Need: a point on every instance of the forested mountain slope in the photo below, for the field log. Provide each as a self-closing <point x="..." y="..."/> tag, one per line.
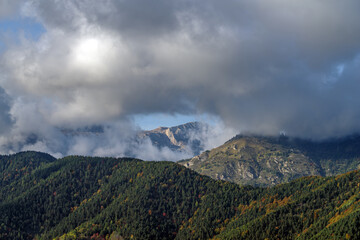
<point x="108" y="198"/>
<point x="307" y="208"/>
<point x="15" y="166"/>
<point x="83" y="196"/>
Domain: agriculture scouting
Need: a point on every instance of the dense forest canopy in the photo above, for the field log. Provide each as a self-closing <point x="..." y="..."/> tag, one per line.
<point x="120" y="198"/>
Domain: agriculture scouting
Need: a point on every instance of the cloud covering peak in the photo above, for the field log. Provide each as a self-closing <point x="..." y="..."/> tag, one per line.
<point x="260" y="66"/>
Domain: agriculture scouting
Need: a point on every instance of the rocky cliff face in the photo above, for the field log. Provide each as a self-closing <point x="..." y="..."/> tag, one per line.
<point x="268" y="161"/>
<point x="179" y="138"/>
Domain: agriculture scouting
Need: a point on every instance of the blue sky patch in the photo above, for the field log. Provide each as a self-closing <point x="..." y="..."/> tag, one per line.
<point x="15" y="27"/>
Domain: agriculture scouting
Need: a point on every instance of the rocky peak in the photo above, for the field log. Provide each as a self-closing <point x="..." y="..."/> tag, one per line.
<point x="177" y="137"/>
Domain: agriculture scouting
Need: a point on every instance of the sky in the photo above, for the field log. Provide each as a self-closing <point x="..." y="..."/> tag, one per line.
<point x="255" y="66"/>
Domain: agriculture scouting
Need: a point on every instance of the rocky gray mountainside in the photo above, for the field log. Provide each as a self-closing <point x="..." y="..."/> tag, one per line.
<point x="264" y="161"/>
<point x="178" y="138"/>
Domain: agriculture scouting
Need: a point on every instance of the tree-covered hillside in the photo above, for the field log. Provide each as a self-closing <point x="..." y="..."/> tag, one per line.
<point x="107" y="198"/>
<point x="15" y="166"/>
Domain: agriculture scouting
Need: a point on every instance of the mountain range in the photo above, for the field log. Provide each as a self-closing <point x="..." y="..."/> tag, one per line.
<point x="122" y="198"/>
<point x="250" y="159"/>
<point x="247" y="159"/>
<point x="184" y="138"/>
<point x="251" y="187"/>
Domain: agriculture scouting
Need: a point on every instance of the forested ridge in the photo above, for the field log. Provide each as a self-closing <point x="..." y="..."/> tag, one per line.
<point x="121" y="198"/>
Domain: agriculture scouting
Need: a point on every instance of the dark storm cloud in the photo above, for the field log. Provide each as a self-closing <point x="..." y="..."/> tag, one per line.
<point x="261" y="66"/>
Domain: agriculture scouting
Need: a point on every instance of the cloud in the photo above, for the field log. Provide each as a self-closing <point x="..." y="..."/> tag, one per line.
<point x="260" y="66"/>
<point x="117" y="139"/>
<point x="5" y="117"/>
<point x="9" y="7"/>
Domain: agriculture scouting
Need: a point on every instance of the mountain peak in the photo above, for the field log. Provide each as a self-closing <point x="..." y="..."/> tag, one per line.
<point x="262" y="160"/>
<point x="176" y="138"/>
